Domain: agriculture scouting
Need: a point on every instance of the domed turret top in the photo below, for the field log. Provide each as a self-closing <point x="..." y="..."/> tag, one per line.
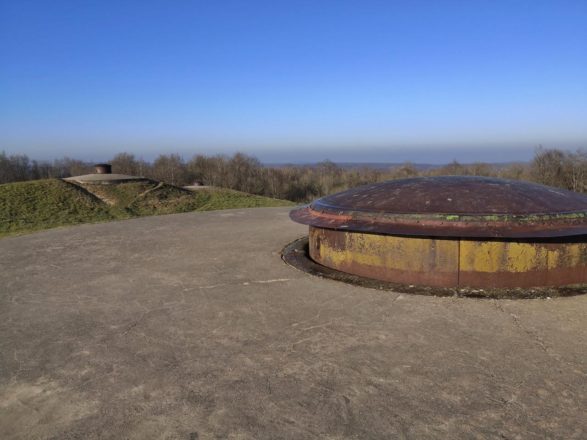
<point x="451" y="206"/>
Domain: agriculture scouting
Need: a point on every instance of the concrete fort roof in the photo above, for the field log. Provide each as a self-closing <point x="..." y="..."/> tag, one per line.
<point x="99" y="178"/>
<point x="190" y="326"/>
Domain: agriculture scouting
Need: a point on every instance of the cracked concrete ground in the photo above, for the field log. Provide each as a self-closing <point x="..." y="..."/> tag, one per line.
<point x="191" y="327"/>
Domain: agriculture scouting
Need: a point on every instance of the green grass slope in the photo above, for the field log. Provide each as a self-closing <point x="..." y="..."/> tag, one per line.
<point x="167" y="199"/>
<point x="43" y="204"/>
<point x="154" y="198"/>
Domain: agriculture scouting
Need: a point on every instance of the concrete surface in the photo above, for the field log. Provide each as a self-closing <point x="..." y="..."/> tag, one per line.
<point x="103" y="178"/>
<point x="191" y="327"/>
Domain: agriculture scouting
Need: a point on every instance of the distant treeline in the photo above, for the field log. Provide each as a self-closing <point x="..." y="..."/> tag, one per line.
<point x="294" y="182"/>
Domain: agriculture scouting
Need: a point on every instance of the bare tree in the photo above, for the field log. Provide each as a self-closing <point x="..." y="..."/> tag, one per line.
<point x="125" y="163"/>
<point x="171" y="169"/>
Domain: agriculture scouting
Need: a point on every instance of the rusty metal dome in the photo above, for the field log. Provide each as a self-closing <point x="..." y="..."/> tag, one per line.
<point x="463" y="232"/>
<point x="451" y="206"/>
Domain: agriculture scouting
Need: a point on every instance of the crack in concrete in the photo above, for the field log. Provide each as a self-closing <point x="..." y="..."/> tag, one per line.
<point x="537" y="340"/>
<point x="243" y="283"/>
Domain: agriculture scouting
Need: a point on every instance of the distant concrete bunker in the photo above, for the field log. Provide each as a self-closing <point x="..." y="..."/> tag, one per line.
<point x="452" y="232"/>
<point x="104" y="176"/>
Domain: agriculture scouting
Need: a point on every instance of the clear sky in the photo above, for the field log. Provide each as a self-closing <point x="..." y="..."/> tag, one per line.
<point x="426" y="81"/>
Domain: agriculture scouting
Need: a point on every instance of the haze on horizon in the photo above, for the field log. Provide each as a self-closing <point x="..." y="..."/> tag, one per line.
<point x="299" y="81"/>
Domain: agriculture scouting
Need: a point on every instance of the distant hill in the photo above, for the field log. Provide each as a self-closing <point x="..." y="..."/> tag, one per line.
<point x="42" y="204"/>
<point x="382" y="165"/>
<point x="385" y="165"/>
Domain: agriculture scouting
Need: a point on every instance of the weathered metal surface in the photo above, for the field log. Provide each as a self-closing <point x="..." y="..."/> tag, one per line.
<point x="452" y="232"/>
<point x="455" y="262"/>
<point x="523" y="263"/>
<point x="297" y="255"/>
<point x="451" y="206"/>
<point x="397" y="259"/>
<point x="103" y="168"/>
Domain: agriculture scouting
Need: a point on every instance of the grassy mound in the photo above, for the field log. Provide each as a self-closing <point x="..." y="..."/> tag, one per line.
<point x="154" y="198"/>
<point x="122" y="194"/>
<point x="167" y="199"/>
<point x="43" y="204"/>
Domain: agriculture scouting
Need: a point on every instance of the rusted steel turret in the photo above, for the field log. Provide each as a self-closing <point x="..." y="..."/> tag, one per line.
<point x="452" y="232"/>
<point x="103" y="168"/>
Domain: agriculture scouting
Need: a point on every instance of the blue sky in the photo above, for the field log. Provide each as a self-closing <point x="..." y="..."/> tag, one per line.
<point x="426" y="81"/>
